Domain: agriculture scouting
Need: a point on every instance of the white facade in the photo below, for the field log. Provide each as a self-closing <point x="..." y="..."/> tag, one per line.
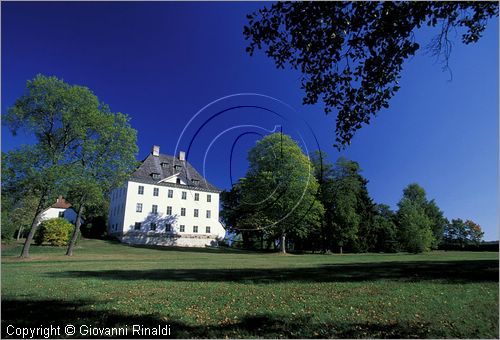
<point x="67" y="213"/>
<point x="168" y="212"/>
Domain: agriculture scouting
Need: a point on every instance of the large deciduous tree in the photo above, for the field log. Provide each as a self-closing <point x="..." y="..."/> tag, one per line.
<point x="351" y="53"/>
<point x="28" y="171"/>
<point x="438" y="221"/>
<point x="76" y="135"/>
<point x="382" y="232"/>
<point x="323" y="171"/>
<point x="278" y="192"/>
<point x="349" y="210"/>
<point x="462" y="233"/>
<point x="414" y="225"/>
<point x="105" y="158"/>
<point x="348" y="194"/>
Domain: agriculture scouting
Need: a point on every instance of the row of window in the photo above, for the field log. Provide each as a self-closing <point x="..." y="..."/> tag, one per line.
<point x="154" y="210"/>
<point x="176" y="166"/>
<point x="170" y="194"/>
<point x="168" y="227"/>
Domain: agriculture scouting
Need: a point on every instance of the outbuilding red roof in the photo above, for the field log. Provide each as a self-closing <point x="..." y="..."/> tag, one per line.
<point x="61" y="203"/>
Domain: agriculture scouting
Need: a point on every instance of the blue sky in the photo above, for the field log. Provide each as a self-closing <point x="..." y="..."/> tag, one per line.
<point x="161" y="63"/>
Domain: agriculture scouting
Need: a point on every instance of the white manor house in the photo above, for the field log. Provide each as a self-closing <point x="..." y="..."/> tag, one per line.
<point x="166" y="202"/>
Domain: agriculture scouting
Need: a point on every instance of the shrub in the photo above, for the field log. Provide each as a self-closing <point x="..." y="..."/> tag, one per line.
<point x="55" y="231"/>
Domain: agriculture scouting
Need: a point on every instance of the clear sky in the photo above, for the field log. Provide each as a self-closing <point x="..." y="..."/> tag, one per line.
<point x="161" y="63"/>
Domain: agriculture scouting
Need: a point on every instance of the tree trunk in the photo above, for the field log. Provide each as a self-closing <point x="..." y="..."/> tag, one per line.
<point x="25" y="253"/>
<point x="76" y="231"/>
<point x="341" y="250"/>
<point x="283" y="244"/>
<point x="245" y="237"/>
<point x="19" y="232"/>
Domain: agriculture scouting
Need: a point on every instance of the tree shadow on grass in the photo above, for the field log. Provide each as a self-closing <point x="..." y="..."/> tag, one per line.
<point x="210" y="250"/>
<point x="445" y="272"/>
<point x="24" y="313"/>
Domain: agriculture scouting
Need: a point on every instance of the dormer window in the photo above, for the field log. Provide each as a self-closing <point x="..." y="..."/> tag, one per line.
<point x="178" y="181"/>
<point x="164" y="164"/>
<point x="155" y="175"/>
<point x="195" y="181"/>
<point x="177" y="167"/>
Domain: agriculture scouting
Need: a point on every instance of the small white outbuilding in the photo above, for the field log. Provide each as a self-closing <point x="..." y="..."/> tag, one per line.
<point x="61" y="208"/>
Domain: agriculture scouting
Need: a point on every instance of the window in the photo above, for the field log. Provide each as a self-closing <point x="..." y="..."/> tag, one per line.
<point x="169" y="210"/>
<point x="182" y="228"/>
<point x="137" y="226"/>
<point x="155" y="175"/>
<point x="208" y="230"/>
<point x="196" y="197"/>
<point x="177" y="167"/>
<point x="156" y="191"/>
<point x="140" y="190"/>
<point x="209" y="214"/>
<point x="168" y="227"/>
<point x="183" y="211"/>
<point x="178" y="181"/>
<point x="154" y="209"/>
<point x="209" y="198"/>
<point x="138" y="208"/>
<point x="170" y="193"/>
<point x="195" y="212"/>
<point x="195" y="181"/>
<point x="184" y="195"/>
<point x="164" y="164"/>
<point x="61" y="213"/>
<point x="195" y="229"/>
<point x="152" y="226"/>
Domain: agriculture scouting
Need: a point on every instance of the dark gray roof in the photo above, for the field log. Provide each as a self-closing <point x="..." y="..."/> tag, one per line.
<point x="164" y="166"/>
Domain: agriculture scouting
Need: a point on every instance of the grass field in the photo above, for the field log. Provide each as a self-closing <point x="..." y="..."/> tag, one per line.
<point x="210" y="293"/>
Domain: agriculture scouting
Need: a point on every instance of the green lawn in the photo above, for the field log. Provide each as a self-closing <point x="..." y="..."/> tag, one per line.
<point x="210" y="293"/>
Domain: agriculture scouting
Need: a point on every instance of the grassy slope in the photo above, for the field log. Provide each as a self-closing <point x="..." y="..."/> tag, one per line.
<point x="207" y="293"/>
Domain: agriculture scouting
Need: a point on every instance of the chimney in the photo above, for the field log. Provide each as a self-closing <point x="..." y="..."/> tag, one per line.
<point x="59" y="199"/>
<point x="182" y="156"/>
<point x="156" y="150"/>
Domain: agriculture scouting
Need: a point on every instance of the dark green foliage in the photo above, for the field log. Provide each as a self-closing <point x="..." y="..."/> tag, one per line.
<point x="8" y="228"/>
<point x="20" y="214"/>
<point x="474" y="231"/>
<point x="346" y="191"/>
<point x="55" y="232"/>
<point x="277" y="196"/>
<point x="94" y="227"/>
<point x="438" y="221"/>
<point x="230" y="204"/>
<point x="461" y="233"/>
<point x="351" y="54"/>
<point x="380" y="235"/>
<point x="323" y="171"/>
<point x="30" y="180"/>
<point x="349" y="210"/>
<point x="82" y="150"/>
<point x="351" y="220"/>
